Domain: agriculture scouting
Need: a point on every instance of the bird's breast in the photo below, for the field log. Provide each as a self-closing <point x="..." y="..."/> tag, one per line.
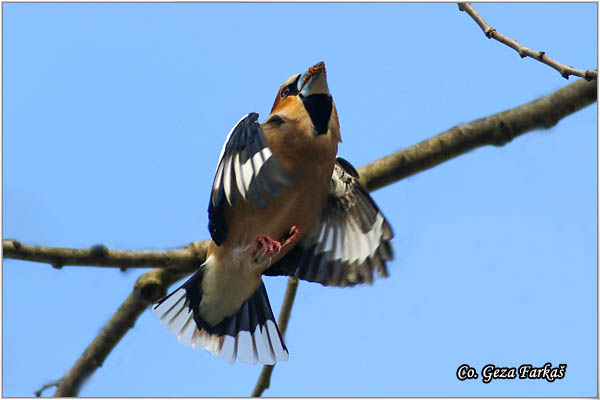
<point x="234" y="274"/>
<point x="299" y="205"/>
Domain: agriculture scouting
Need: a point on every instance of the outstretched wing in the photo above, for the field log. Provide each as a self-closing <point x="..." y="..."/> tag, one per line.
<point x="246" y="169"/>
<point x="349" y="241"/>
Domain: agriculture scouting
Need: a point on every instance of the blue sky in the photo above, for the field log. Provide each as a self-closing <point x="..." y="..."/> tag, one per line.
<point x="114" y="117"/>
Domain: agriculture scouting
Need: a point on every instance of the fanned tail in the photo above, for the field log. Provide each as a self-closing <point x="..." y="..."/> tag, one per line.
<point x="249" y="336"/>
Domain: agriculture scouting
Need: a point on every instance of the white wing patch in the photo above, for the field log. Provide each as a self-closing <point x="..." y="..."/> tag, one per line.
<point x="358" y="245"/>
<point x="244" y="173"/>
<point x="246" y="169"/>
<point x="350" y="241"/>
<point x="227" y="139"/>
<point x="233" y="172"/>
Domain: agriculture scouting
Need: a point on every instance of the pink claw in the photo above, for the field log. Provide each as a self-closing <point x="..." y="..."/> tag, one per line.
<point x="270" y="246"/>
<point x="291" y="235"/>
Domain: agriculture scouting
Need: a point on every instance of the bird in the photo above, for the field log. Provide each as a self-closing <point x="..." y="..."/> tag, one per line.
<point x="282" y="204"/>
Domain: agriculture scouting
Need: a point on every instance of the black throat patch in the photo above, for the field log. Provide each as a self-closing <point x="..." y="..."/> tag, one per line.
<point x="319" y="108"/>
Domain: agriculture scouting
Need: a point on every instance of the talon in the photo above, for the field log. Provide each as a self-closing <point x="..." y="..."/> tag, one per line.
<point x="291" y="235"/>
<point x="266" y="244"/>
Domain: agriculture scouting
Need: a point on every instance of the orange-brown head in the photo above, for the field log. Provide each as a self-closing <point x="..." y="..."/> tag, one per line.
<point x="306" y="97"/>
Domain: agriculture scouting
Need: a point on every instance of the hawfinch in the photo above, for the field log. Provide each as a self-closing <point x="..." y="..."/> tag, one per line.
<point x="281" y="204"/>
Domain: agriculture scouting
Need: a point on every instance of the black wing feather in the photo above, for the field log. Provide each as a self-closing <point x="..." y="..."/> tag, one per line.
<point x="246" y="169"/>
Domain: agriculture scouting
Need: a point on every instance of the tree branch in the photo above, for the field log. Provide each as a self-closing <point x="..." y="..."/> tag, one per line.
<point x="264" y="380"/>
<point x="523" y="51"/>
<point x="149" y="287"/>
<point x="100" y="256"/>
<point x="497" y="130"/>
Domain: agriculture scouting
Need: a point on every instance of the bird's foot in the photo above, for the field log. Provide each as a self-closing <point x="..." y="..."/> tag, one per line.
<point x="265" y="245"/>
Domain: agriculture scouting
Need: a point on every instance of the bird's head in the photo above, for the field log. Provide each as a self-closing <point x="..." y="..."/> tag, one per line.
<point x="306" y="97"/>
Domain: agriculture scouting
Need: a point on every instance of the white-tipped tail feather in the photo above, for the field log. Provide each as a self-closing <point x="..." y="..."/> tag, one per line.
<point x="249" y="336"/>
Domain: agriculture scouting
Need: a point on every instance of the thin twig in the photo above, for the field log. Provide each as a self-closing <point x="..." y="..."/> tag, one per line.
<point x="564" y="70"/>
<point x="264" y="380"/>
<point x="497" y="129"/>
<point x="38" y="393"/>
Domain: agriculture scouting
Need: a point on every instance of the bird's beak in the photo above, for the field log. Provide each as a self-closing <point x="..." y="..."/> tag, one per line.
<point x="314" y="81"/>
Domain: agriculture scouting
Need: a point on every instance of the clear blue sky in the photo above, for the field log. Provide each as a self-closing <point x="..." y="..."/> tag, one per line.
<point x="114" y="117"/>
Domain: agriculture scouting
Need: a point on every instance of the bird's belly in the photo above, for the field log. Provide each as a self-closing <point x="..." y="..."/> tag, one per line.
<point x="299" y="208"/>
<point x="225" y="287"/>
<point x="233" y="274"/>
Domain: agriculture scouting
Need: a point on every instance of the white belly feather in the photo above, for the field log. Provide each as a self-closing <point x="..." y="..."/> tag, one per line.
<point x="226" y="285"/>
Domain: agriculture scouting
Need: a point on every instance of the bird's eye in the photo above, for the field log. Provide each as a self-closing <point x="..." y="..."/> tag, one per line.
<point x="291" y="89"/>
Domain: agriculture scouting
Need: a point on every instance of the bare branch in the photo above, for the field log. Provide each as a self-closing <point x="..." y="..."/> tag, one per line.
<point x="100" y="256"/>
<point x="497" y="130"/>
<point x="149" y="287"/>
<point x="264" y="380"/>
<point x="523" y="51"/>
